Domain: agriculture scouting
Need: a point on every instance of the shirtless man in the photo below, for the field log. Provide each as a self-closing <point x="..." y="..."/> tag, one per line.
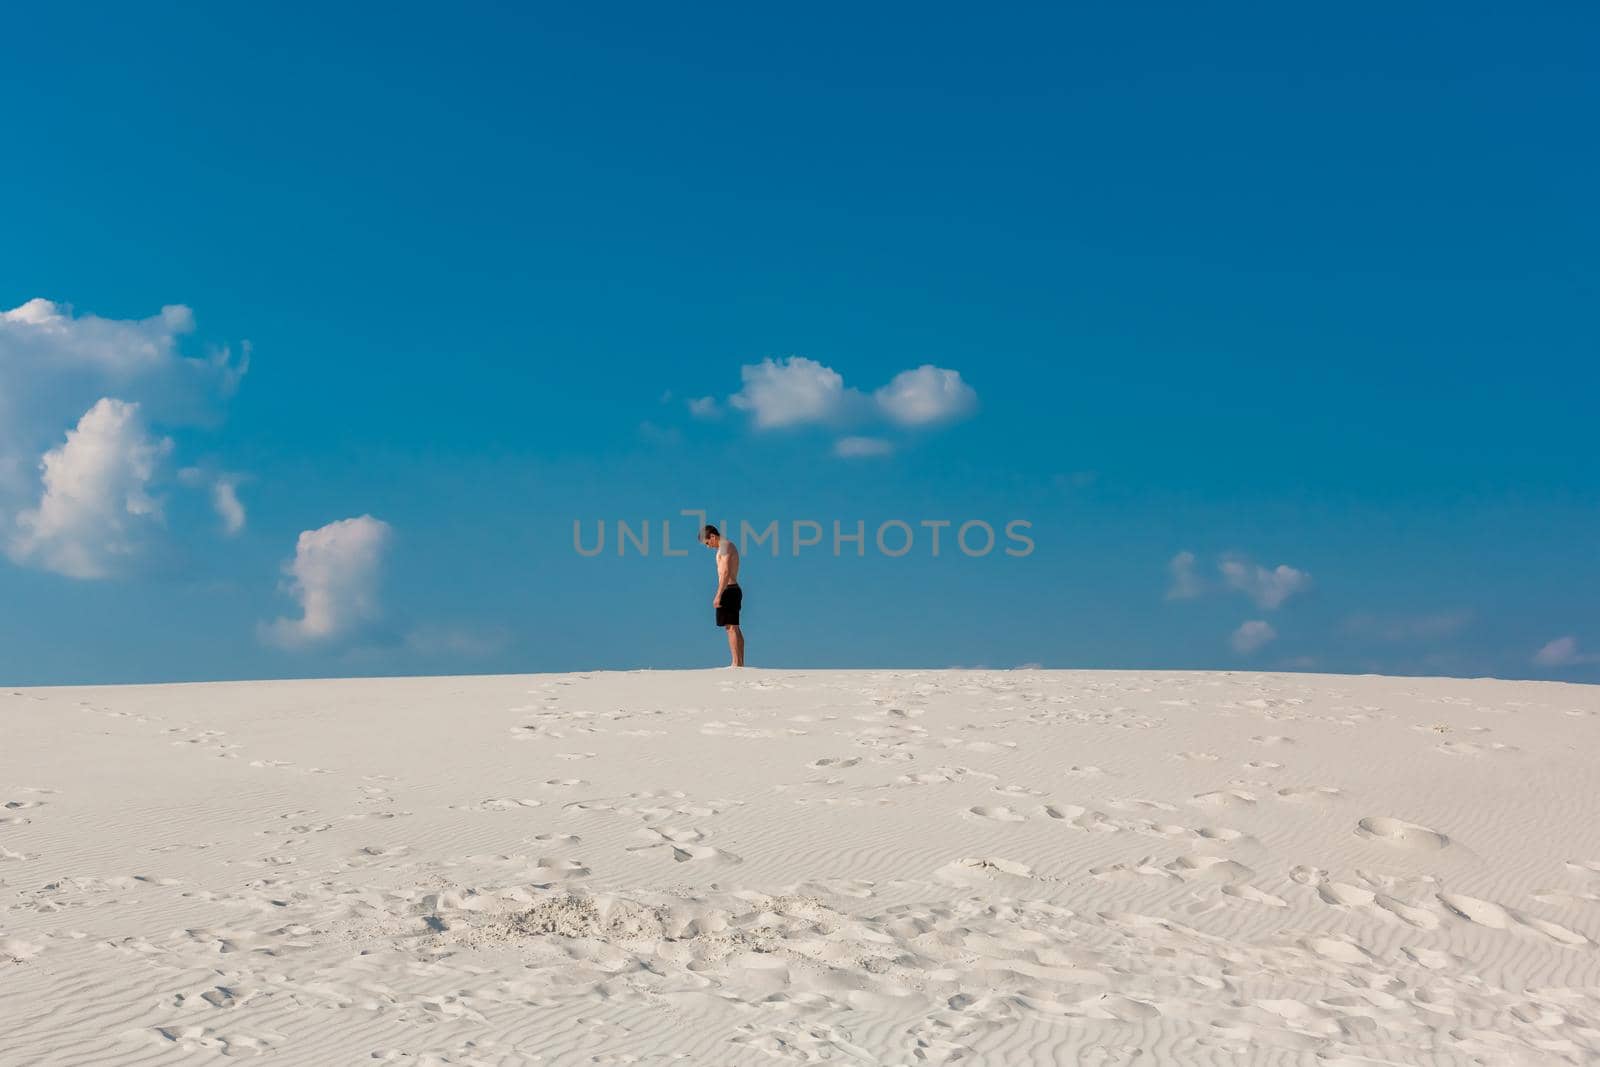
<point x="729" y="598"/>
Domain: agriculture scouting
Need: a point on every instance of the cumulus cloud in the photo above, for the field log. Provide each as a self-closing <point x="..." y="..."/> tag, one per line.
<point x="926" y="396"/>
<point x="1186" y="584"/>
<point x="1252" y="636"/>
<point x="1564" y="652"/>
<point x="96" y="502"/>
<point x="861" y="447"/>
<point x="798" y="391"/>
<point x="1268" y="588"/>
<point x="335" y="576"/>
<point x="795" y="391"/>
<point x="46" y="332"/>
<point x="55" y="365"/>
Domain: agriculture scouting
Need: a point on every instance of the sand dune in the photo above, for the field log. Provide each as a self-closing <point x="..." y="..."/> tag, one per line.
<point x="890" y="867"/>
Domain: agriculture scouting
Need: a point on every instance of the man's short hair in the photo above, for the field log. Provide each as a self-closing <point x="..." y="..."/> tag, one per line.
<point x="709" y="531"/>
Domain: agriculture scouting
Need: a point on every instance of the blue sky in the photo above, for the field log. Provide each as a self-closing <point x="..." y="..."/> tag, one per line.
<point x="1310" y="298"/>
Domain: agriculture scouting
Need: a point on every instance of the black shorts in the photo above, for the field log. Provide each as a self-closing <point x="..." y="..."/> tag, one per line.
<point x="728" y="611"/>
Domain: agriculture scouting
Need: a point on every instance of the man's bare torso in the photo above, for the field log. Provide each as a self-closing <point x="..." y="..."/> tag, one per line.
<point x="727" y="563"/>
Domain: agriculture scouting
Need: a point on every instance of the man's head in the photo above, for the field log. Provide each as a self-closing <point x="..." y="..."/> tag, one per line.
<point x="710" y="537"/>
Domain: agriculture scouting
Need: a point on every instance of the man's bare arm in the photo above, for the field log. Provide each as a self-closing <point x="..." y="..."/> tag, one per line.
<point x="724" y="569"/>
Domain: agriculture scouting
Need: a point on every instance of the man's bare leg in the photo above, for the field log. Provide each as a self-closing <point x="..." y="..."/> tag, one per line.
<point x="736" y="646"/>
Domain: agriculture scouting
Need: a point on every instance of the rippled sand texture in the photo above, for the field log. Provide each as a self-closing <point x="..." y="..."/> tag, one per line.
<point x="890" y="867"/>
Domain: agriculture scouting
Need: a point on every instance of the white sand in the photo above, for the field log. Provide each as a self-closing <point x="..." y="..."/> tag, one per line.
<point x="868" y="867"/>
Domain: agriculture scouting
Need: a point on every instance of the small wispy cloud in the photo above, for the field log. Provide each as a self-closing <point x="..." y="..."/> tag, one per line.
<point x="1186" y="584"/>
<point x="225" y="499"/>
<point x="1564" y="652"/>
<point x="861" y="447"/>
<point x="704" y="407"/>
<point x="1252" y="636"/>
<point x="1267" y="587"/>
<point x="223" y="489"/>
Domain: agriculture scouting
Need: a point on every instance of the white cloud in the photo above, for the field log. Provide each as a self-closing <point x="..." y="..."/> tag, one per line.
<point x="1563" y="652"/>
<point x="1268" y="588"/>
<point x="790" y="393"/>
<point x="50" y="333"/>
<point x="704" y="407"/>
<point x="1252" y="636"/>
<point x="334" y="575"/>
<point x="223" y="489"/>
<point x="926" y="396"/>
<point x="54" y="365"/>
<point x="96" y="502"/>
<point x="225" y="498"/>
<point x="861" y="447"/>
<point x="1186" y="584"/>
<point x="798" y="391"/>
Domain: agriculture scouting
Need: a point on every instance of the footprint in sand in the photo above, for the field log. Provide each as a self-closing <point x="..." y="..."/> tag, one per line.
<point x="1497" y="917"/>
<point x="1361" y="898"/>
<point x="1139" y="804"/>
<point x="978" y="869"/>
<point x="682" y="845"/>
<point x="16" y="950"/>
<point x="1303" y="794"/>
<point x="1253" y="895"/>
<point x="941" y="775"/>
<point x="1219" y="833"/>
<point x="498" y="804"/>
<point x="1431" y="958"/>
<point x="1209" y="869"/>
<point x="1337" y="949"/>
<point x="1345" y="895"/>
<point x="1401" y="834"/>
<point x="1119" y="1008"/>
<point x="204" y="1038"/>
<point x="999" y="813"/>
<point x="1225" y="798"/>
<point x="1017" y="791"/>
<point x="1061" y="811"/>
<point x="1144" y="868"/>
